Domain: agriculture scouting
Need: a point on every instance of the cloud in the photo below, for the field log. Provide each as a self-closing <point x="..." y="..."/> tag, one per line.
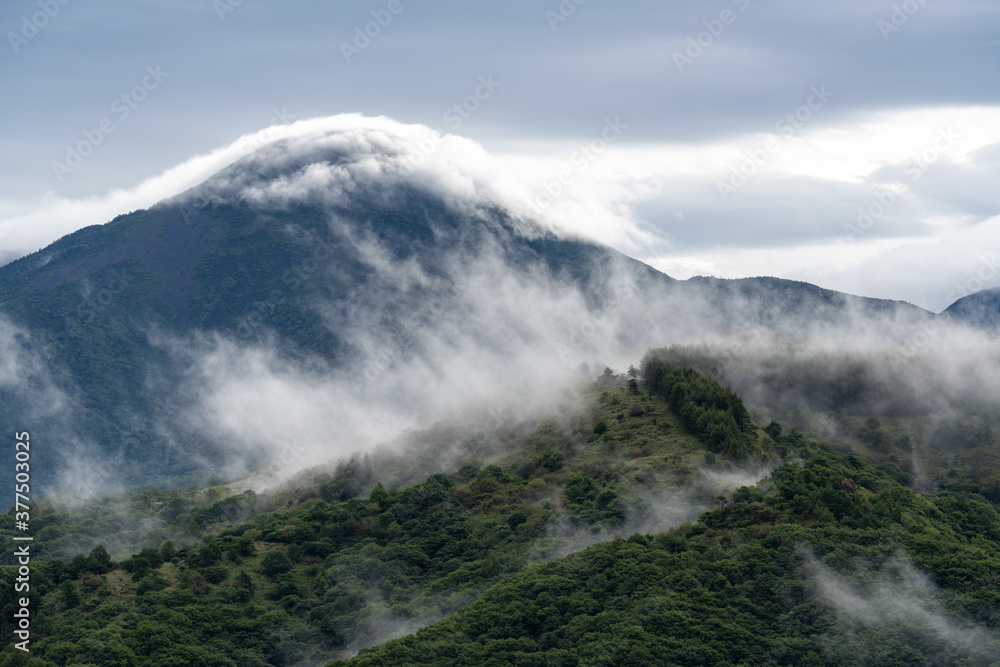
<point x="451" y="330"/>
<point x="455" y="331"/>
<point x="964" y="261"/>
<point x="25" y="371"/>
<point x="42" y="401"/>
<point x="900" y="363"/>
<point x="658" y="202"/>
<point x="287" y="161"/>
<point x="862" y="203"/>
<point x="481" y="339"/>
<point x="647" y="512"/>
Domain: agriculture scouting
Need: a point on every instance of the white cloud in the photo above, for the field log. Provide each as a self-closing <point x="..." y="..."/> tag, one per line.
<point x="481" y="339"/>
<point x="660" y="202"/>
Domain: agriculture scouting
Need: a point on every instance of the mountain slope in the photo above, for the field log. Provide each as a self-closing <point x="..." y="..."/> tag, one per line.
<point x="828" y="561"/>
<point x="822" y="566"/>
<point x="981" y="309"/>
<point x="350" y="562"/>
<point x="325" y="261"/>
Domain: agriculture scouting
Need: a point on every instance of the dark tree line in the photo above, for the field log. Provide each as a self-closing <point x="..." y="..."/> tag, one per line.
<point x="710" y="411"/>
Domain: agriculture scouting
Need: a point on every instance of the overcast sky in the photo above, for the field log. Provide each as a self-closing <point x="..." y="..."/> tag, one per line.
<point x="746" y="137"/>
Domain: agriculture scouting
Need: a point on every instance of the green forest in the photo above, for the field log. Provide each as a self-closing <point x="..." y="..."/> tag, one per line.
<point x="549" y="550"/>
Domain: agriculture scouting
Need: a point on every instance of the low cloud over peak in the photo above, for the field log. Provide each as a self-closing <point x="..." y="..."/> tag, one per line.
<point x="861" y="207"/>
<point x="328" y="158"/>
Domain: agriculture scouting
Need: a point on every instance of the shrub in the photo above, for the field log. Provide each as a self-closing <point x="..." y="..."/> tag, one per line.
<point x="275" y="563"/>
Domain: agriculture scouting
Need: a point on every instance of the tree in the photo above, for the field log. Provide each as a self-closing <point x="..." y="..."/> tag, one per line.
<point x="773" y="429"/>
<point x="70" y="596"/>
<point x="168" y="551"/>
<point x="78" y="565"/>
<point x="275" y="563"/>
<point x="244" y="581"/>
<point x="209" y="554"/>
<point x="100" y="560"/>
<point x="137" y="566"/>
<point x="491" y="566"/>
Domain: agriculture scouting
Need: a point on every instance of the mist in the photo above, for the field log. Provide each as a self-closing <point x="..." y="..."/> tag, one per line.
<point x="39" y="395"/>
<point x="925" y="391"/>
<point x="899" y="596"/>
<point x="474" y="326"/>
<point x="648" y="510"/>
<point x="475" y="329"/>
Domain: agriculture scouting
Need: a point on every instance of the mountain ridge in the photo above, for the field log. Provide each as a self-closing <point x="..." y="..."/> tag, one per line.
<point x="319" y="252"/>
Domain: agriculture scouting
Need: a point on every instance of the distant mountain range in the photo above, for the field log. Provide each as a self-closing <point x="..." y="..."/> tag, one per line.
<point x="328" y="254"/>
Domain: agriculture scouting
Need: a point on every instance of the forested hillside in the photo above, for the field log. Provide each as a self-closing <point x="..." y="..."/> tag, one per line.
<point x="822" y="565"/>
<point x="828" y="561"/>
<point x="337" y="564"/>
<point x="929" y="421"/>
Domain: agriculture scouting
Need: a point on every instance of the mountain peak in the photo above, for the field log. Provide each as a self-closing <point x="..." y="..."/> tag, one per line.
<point x="353" y="157"/>
<point x="981" y="309"/>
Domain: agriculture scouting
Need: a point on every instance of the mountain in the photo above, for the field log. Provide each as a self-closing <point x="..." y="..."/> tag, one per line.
<point x="538" y="490"/>
<point x="319" y="296"/>
<point x="981" y="309"/>
<point x="830" y="563"/>
<point x="827" y="560"/>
